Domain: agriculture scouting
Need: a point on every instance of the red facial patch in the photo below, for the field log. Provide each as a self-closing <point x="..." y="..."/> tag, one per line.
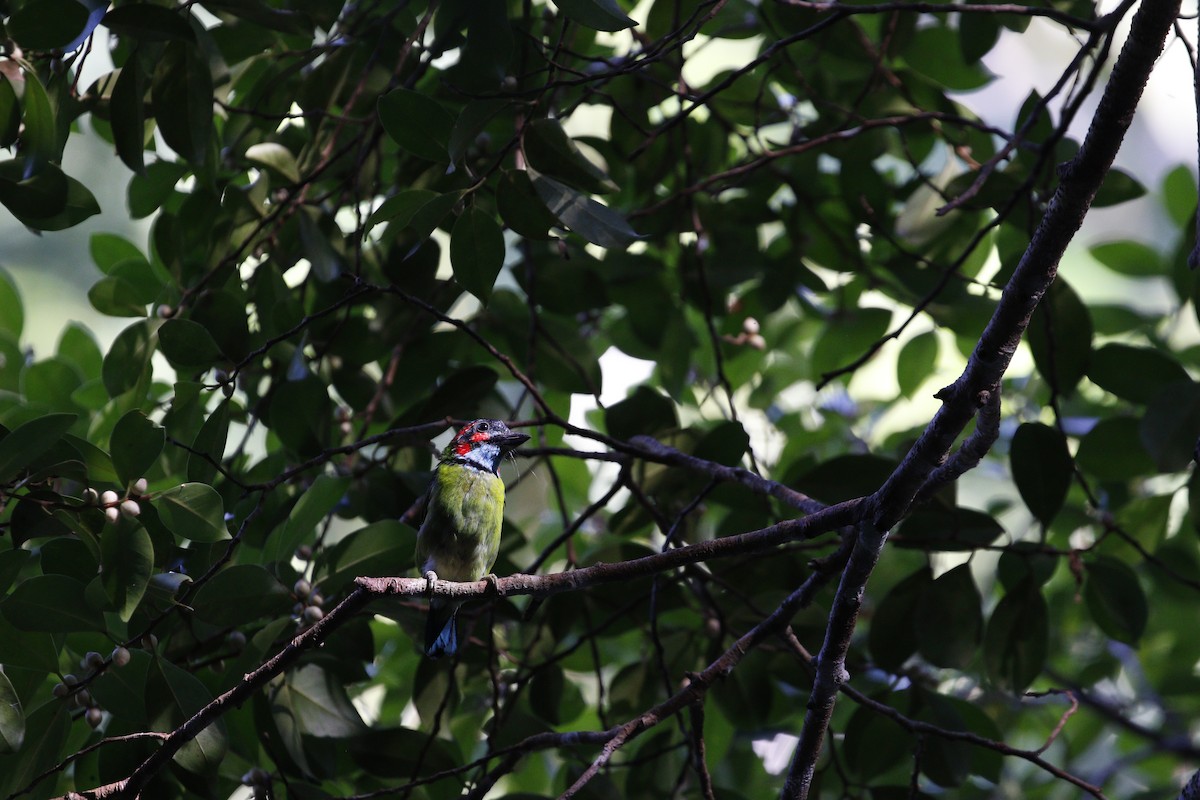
<point x="467" y="437"/>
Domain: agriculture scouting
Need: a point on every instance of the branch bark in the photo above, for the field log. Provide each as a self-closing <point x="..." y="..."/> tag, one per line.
<point x="369" y="589"/>
<point x="1080" y="180"/>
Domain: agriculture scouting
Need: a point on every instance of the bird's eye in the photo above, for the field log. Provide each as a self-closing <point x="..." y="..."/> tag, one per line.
<point x="483" y="426"/>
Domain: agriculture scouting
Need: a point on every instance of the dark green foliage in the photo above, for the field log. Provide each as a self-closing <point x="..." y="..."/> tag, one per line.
<point x="370" y="221"/>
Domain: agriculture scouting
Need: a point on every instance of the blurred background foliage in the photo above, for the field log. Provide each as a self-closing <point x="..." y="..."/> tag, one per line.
<point x="762" y="233"/>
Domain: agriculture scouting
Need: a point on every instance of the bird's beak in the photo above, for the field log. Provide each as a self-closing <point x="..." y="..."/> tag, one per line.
<point x="511" y="440"/>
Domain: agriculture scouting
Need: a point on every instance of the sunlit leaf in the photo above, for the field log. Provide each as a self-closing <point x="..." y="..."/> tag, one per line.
<point x="193" y="511"/>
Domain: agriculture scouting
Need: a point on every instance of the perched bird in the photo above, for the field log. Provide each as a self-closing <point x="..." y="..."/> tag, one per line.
<point x="461" y="534"/>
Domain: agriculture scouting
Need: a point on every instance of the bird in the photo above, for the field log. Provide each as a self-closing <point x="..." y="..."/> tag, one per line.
<point x="460" y="536"/>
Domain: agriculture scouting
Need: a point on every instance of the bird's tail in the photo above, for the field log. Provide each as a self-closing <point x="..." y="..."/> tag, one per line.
<point x="441" y="628"/>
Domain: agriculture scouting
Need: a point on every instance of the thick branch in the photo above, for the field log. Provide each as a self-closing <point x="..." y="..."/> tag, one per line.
<point x="369" y="589"/>
<point x="699" y="684"/>
<point x="831" y="662"/>
<point x="651" y="450"/>
<point x="1081" y="179"/>
<point x="239" y="694"/>
<point x="543" y="585"/>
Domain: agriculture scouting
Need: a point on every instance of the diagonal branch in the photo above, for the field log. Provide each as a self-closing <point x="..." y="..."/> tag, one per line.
<point x="370" y="589"/>
<point x="1080" y="180"/>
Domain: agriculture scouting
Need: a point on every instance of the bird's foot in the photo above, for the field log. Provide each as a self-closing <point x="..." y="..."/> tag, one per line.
<point x="431" y="580"/>
<point x="492" y="581"/>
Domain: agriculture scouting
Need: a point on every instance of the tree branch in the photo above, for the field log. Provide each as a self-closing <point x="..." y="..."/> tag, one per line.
<point x="1080" y="180"/>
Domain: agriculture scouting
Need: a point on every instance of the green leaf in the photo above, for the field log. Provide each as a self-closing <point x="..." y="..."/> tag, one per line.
<point x="418" y="123"/>
<point x="892" y="637"/>
<point x="1060" y="336"/>
<point x="873" y="743"/>
<point x="182" y="96"/>
<point x="193" y="511"/>
<point x="1171" y="425"/>
<point x="520" y="206"/>
<point x="314" y="505"/>
<point x="33" y="195"/>
<point x="78" y="204"/>
<point x="27" y="442"/>
<point x="128" y="358"/>
<point x="593" y="221"/>
<point x="916" y="362"/>
<point x="934" y="52"/>
<point x="1133" y="373"/>
<point x="149" y="23"/>
<point x="316" y="702"/>
<point x="10" y="113"/>
<point x="47" y="24"/>
<point x="1179" y="195"/>
<point x="645" y="412"/>
<point x="173" y="696"/>
<point x="210" y="440"/>
<point x="1113" y="451"/>
<point x="39" y="139"/>
<point x="1118" y="187"/>
<point x="470" y="123"/>
<point x="847" y="337"/>
<point x="318" y="249"/>
<point x="46" y="730"/>
<point x="12" y="717"/>
<point x="947" y="762"/>
<point x="109" y="249"/>
<point x="1129" y="258"/>
<point x="978" y="34"/>
<point x="552" y="152"/>
<point x="845" y="477"/>
<point x="50" y="384"/>
<point x="399" y="209"/>
<point x="380" y="549"/>
<point x="725" y="443"/>
<point x="950" y="619"/>
<point x="276" y="158"/>
<point x="600" y="15"/>
<point x="135" y="445"/>
<point x="1025" y="561"/>
<point x="96" y="461"/>
<point x="1042" y="469"/>
<point x="127" y="110"/>
<point x="31" y="650"/>
<point x="239" y="594"/>
<point x="1018" y="638"/>
<point x="397" y="752"/>
<point x="554" y="698"/>
<point x="188" y="345"/>
<point x="141" y="276"/>
<point x="12" y="312"/>
<point x="1115" y="599"/>
<point x="937" y="527"/>
<point x="148" y="191"/>
<point x="51" y="604"/>
<point x="116" y="297"/>
<point x="123" y="691"/>
<point x="127" y="560"/>
<point x="477" y="252"/>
